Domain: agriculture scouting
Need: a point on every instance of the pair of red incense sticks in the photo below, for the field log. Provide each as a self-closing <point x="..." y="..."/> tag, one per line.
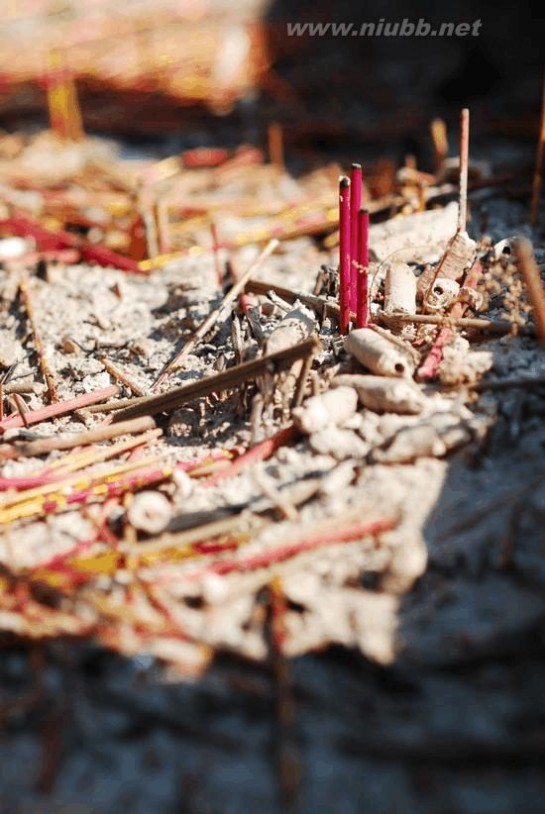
<point x="353" y="251"/>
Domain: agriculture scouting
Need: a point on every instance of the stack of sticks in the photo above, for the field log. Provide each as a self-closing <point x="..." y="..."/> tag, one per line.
<point x="353" y="251"/>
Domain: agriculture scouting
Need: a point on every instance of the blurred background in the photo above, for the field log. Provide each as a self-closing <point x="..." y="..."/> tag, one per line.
<point x="198" y="71"/>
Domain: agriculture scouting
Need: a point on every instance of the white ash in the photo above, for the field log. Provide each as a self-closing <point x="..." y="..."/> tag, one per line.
<point x="339" y="443"/>
<point x="332" y="408"/>
<point x="382" y="394"/>
<point x="420" y="237"/>
<point x="460" y="365"/>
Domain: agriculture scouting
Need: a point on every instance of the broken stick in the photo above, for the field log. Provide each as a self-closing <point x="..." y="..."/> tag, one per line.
<point x="174" y="399"/>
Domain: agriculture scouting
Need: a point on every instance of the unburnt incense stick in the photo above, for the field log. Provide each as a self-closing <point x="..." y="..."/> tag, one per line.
<point x="356" y="179"/>
<point x="362" y="312"/>
<point x="345" y="261"/>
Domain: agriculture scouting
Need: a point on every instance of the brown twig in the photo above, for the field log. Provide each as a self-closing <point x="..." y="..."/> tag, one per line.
<point x="225" y="306"/>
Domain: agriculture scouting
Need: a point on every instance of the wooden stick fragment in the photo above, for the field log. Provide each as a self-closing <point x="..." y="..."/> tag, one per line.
<point x="172" y="400"/>
<point x="121" y="377"/>
<point x="59" y="408"/>
<point x="538" y="172"/>
<point x="499" y="327"/>
<point x="42" y="446"/>
<point x="530" y="272"/>
<point x="220" y="312"/>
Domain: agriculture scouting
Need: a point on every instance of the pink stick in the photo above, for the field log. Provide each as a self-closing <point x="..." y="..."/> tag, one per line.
<point x="362" y="310"/>
<point x="59" y="408"/>
<point x="265" y="559"/>
<point x="356" y="178"/>
<point x="344" y="253"/>
<point x="260" y="452"/>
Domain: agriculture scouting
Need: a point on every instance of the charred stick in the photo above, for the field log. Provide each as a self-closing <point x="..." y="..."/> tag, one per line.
<point x="174" y="399"/>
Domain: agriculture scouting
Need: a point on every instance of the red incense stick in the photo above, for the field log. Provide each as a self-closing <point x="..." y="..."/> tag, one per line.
<point x="362" y="308"/>
<point x="344" y="253"/>
<point x="356" y="179"/>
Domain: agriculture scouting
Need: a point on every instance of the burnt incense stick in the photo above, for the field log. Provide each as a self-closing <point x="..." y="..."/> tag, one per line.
<point x="345" y="262"/>
<point x="172" y="400"/>
<point x="356" y="180"/>
<point x="464" y="163"/>
<point x="362" y="312"/>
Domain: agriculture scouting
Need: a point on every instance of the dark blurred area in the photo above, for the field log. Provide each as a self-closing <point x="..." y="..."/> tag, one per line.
<point x="506" y="56"/>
